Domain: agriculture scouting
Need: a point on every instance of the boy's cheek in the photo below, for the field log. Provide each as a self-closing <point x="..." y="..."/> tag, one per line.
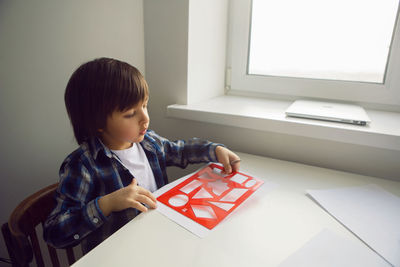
<point x="133" y="136"/>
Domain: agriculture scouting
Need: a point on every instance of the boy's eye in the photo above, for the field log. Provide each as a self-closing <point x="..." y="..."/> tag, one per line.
<point x="130" y="115"/>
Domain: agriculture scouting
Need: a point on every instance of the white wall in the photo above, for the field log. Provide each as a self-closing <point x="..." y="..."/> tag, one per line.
<point x="167" y="71"/>
<point x="41" y="44"/>
<point x="207" y="38"/>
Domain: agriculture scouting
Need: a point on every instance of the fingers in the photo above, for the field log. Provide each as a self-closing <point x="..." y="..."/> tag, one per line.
<point x="146" y="200"/>
<point x="144" y="196"/>
<point x="235" y="165"/>
<point x="139" y="206"/>
<point x="134" y="182"/>
<point x="227" y="165"/>
<point x="228" y="159"/>
<point x="223" y="158"/>
<point x="147" y="193"/>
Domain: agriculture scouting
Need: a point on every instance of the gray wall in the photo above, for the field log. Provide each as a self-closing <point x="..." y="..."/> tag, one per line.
<point x="41" y="43"/>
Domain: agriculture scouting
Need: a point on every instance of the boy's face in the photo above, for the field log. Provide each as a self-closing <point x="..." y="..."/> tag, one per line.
<point x="126" y="127"/>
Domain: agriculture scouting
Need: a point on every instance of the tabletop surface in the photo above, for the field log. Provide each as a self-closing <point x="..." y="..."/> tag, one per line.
<point x="262" y="232"/>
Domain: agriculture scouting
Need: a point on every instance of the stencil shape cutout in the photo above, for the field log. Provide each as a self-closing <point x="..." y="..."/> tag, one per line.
<point x="191" y="186"/>
<point x="202" y="194"/>
<point x="234" y="195"/>
<point x="206" y="175"/>
<point x="219" y="172"/>
<point x="218" y="187"/>
<point x="250" y="183"/>
<point x="201" y="211"/>
<point x="238" y="178"/>
<point x="224" y="206"/>
<point x="178" y="200"/>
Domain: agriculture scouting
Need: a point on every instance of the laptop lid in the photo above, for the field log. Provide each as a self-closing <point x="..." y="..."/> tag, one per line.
<point x="328" y="111"/>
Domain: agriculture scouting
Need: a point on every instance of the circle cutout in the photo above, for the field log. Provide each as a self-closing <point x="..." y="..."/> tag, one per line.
<point x="178" y="200"/>
<point x="250" y="183"/>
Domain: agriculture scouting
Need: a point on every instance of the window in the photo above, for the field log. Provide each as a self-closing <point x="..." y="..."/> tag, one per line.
<point x="340" y="40"/>
<point x="335" y="49"/>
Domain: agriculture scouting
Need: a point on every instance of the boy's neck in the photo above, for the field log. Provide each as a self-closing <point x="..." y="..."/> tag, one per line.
<point x="114" y="145"/>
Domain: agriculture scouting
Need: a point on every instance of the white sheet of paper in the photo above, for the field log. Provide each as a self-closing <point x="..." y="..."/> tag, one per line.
<point x="328" y="249"/>
<point x="184" y="221"/>
<point x="188" y="223"/>
<point x="368" y="211"/>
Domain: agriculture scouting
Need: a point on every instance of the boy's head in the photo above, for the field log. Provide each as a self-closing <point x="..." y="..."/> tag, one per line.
<point x="101" y="94"/>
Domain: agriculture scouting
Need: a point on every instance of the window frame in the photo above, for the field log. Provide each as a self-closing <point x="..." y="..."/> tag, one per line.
<point x="382" y="95"/>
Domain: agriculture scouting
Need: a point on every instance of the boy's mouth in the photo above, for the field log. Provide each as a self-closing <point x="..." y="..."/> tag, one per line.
<point x="143" y="131"/>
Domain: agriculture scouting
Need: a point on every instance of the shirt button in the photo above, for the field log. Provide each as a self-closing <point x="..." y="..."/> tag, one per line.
<point x="76" y="237"/>
<point x="95" y="220"/>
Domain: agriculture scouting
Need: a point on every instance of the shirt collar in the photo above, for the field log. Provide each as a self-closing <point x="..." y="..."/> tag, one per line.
<point x="96" y="146"/>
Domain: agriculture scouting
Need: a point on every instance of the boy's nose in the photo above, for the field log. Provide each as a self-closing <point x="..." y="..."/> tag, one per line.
<point x="145" y="118"/>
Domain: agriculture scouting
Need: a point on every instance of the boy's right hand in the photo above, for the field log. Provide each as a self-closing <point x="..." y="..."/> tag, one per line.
<point x="131" y="196"/>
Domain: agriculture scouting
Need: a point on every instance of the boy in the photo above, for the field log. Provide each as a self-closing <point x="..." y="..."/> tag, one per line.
<point x="110" y="178"/>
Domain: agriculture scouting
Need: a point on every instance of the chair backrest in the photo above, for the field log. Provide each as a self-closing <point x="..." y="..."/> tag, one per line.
<point x="21" y="225"/>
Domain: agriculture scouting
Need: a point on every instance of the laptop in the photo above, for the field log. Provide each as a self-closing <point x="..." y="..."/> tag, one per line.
<point x="328" y="111"/>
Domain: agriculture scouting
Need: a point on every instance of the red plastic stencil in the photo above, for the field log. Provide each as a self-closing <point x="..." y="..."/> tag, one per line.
<point x="208" y="196"/>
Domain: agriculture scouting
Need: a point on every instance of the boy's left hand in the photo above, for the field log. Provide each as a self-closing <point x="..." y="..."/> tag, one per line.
<point x="228" y="159"/>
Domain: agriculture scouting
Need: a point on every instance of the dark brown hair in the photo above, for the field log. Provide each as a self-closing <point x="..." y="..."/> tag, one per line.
<point x="97" y="89"/>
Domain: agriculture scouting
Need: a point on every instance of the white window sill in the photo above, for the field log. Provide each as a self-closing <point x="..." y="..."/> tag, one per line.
<point x="269" y="115"/>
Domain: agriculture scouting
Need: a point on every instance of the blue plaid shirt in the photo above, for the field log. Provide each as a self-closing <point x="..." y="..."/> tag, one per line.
<point x="93" y="170"/>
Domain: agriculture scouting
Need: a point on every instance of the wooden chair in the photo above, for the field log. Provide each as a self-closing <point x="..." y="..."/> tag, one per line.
<point x="20" y="235"/>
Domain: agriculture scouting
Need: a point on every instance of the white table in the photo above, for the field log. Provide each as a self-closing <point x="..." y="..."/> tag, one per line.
<point x="262" y="234"/>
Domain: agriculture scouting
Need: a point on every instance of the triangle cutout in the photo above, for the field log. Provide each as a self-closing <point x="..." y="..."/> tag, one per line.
<point x="202" y="194"/>
<point x="224" y="206"/>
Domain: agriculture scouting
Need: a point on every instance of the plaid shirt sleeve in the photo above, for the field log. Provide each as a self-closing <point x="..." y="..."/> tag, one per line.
<point x="180" y="153"/>
<point x="77" y="213"/>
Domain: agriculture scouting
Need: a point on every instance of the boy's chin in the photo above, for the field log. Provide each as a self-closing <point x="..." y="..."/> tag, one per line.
<point x="137" y="139"/>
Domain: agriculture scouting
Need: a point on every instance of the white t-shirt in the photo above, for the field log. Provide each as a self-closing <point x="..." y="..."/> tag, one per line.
<point x="138" y="165"/>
